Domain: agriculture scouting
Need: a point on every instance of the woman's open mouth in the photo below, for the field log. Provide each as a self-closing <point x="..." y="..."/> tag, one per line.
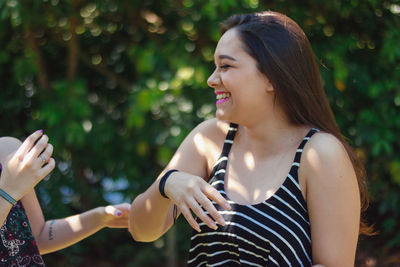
<point x="222" y="97"/>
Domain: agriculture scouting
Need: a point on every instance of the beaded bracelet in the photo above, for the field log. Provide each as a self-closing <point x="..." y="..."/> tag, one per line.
<point x="163" y="180"/>
<point x="7" y="197"/>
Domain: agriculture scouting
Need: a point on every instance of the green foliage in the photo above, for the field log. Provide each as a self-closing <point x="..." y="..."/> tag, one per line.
<point x="117" y="85"/>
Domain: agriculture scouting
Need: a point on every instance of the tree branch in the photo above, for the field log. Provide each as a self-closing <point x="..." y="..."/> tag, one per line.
<point x="73" y="45"/>
<point x="73" y="50"/>
<point x="125" y="84"/>
<point x="41" y="68"/>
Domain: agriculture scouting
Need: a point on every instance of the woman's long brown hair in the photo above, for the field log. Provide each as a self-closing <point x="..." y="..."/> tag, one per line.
<point x="284" y="54"/>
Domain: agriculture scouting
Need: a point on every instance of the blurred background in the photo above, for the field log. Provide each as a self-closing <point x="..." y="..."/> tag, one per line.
<point x="117" y="85"/>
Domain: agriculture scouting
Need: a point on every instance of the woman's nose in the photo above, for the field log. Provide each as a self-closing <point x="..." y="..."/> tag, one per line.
<point x="214" y="80"/>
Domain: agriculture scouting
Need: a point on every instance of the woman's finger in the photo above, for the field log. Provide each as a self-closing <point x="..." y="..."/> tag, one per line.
<point x="28" y="144"/>
<point x="213" y="194"/>
<point x="189" y="218"/>
<point x="210" y="208"/>
<point x="194" y="206"/>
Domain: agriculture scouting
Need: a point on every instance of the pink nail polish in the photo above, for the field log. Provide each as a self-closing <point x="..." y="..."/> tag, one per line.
<point x="119" y="213"/>
<point x="41" y="130"/>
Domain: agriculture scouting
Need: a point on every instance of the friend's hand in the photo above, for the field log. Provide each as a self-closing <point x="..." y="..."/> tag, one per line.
<point x="192" y="193"/>
<point x="117" y="216"/>
<point x="23" y="169"/>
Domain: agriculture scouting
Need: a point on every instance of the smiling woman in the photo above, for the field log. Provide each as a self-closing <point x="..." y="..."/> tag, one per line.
<point x="271" y="179"/>
<point x="237" y="79"/>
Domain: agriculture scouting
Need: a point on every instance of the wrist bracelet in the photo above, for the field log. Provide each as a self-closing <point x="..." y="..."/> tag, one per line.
<point x="7" y="197"/>
<point x="163" y="179"/>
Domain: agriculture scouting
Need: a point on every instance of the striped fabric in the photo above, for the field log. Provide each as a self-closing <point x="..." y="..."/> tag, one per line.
<point x="275" y="232"/>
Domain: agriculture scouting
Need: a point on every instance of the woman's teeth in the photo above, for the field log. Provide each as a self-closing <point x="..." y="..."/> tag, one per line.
<point x="223" y="95"/>
<point x="222" y="98"/>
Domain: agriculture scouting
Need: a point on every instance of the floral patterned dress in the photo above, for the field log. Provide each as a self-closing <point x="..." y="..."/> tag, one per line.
<point x="18" y="246"/>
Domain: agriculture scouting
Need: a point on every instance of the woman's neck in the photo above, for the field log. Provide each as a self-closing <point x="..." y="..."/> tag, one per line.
<point x="269" y="138"/>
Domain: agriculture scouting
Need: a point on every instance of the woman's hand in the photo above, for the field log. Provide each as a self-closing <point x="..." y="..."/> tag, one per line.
<point x="192" y="193"/>
<point x="117" y="216"/>
<point x="23" y="169"/>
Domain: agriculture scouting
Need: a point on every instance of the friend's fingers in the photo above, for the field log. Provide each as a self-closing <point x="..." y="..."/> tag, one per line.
<point x="111" y="210"/>
<point x="46" y="169"/>
<point x="121" y="224"/>
<point x="46" y="154"/>
<point x="189" y="218"/>
<point x="37" y="149"/>
<point x="28" y="144"/>
<point x="124" y="207"/>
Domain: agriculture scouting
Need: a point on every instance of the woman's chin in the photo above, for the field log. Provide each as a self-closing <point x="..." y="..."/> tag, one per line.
<point x="221" y="115"/>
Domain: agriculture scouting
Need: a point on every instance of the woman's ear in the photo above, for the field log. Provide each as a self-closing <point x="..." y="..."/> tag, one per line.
<point x="268" y="86"/>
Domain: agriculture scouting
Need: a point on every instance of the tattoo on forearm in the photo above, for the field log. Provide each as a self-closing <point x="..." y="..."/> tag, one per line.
<point x="51" y="230"/>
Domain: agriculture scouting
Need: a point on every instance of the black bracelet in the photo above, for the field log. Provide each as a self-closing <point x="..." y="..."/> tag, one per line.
<point x="163" y="179"/>
<point x="175" y="213"/>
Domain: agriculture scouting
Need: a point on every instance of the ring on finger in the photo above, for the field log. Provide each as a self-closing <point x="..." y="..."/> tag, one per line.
<point x="43" y="158"/>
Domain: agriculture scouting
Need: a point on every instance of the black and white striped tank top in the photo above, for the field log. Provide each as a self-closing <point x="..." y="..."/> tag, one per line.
<point x="275" y="232"/>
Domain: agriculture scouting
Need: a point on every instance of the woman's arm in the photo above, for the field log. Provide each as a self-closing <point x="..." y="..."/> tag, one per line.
<point x="152" y="215"/>
<point x="333" y="201"/>
<point x="53" y="235"/>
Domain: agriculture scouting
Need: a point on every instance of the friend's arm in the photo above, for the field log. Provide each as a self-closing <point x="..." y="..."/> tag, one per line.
<point x="53" y="235"/>
<point x="152" y="215"/>
<point x="5" y="208"/>
<point x="333" y="201"/>
<point x="23" y="166"/>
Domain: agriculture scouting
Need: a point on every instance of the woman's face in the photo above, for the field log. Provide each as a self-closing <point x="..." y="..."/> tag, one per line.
<point x="242" y="91"/>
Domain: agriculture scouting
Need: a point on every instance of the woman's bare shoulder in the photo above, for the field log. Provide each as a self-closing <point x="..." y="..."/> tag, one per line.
<point x="323" y="156"/>
<point x="200" y="149"/>
<point x="213" y="129"/>
<point x="205" y="142"/>
<point x="324" y="146"/>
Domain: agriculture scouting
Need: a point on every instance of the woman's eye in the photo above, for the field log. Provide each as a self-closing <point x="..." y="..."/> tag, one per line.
<point x="225" y="66"/>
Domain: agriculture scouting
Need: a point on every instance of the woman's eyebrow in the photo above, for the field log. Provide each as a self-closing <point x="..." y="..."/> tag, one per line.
<point x="226" y="57"/>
